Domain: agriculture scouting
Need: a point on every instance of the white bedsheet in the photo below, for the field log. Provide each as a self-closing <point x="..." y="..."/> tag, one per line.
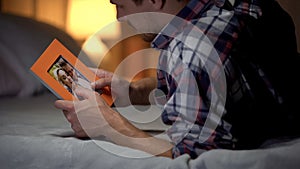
<point x="33" y="134"/>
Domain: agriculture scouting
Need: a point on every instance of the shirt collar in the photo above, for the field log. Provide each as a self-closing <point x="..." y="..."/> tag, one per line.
<point x="189" y="12"/>
<point x="194" y="9"/>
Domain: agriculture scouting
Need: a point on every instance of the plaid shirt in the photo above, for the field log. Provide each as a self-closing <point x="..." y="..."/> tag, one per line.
<point x="195" y="72"/>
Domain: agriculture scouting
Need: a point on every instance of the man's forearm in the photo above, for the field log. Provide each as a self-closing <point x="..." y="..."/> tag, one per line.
<point x="140" y="90"/>
<point x="125" y="134"/>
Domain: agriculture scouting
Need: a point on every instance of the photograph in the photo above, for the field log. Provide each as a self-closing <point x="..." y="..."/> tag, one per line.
<point x="62" y="72"/>
<point x="70" y="78"/>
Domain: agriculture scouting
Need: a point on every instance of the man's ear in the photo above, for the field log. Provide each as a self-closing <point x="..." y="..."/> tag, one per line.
<point x="157" y="4"/>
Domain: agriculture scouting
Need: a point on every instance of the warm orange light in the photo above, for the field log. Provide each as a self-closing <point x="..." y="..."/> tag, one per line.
<point x="86" y="17"/>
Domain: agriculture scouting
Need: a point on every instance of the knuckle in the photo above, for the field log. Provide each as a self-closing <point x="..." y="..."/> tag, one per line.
<point x="70" y="107"/>
<point x="69" y="118"/>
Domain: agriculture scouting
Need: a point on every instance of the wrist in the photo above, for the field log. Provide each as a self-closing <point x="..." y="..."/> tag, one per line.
<point x="123" y="133"/>
<point x="119" y="125"/>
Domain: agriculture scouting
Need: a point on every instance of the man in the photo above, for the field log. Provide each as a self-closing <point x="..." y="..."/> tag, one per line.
<point x="196" y="72"/>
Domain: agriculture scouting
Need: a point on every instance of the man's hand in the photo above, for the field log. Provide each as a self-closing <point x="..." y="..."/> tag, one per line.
<point x="89" y="117"/>
<point x="125" y="93"/>
<point x="120" y="88"/>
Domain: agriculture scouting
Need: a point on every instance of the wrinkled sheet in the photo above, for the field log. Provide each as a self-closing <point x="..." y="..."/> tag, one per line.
<point x="33" y="134"/>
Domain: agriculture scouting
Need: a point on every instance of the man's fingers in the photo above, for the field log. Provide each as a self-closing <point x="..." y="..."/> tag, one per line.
<point x="64" y="105"/>
<point x="101" y="73"/>
<point x="84" y="93"/>
<point x="97" y="71"/>
<point x="70" y="116"/>
<point x="93" y="69"/>
<point x="101" y="83"/>
<point x="105" y="78"/>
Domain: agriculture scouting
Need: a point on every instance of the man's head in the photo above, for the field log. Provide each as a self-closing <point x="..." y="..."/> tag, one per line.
<point x="137" y="6"/>
<point x="148" y="16"/>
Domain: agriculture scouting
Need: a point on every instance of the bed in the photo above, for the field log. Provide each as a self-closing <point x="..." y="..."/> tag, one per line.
<point x="34" y="134"/>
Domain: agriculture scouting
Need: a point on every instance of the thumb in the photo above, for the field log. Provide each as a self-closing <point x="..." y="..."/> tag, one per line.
<point x="84" y="93"/>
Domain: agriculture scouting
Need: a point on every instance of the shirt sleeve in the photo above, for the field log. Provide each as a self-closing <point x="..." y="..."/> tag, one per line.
<point x="192" y="110"/>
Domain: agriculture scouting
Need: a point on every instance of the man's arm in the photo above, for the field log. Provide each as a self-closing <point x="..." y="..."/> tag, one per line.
<point x="92" y="117"/>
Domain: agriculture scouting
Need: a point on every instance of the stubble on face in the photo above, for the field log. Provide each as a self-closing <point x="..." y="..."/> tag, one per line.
<point x="148" y="37"/>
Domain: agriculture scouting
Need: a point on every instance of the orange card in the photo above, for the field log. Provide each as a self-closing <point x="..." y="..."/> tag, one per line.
<point x="60" y="71"/>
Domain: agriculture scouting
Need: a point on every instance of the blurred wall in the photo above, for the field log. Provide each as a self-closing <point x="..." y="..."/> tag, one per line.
<point x="49" y="11"/>
<point x="55" y="13"/>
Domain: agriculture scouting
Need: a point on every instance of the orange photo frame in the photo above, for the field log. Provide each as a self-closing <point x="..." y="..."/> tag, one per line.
<point x="44" y="67"/>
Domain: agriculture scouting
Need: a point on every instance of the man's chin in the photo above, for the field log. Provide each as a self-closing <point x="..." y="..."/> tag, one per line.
<point x="148" y="37"/>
